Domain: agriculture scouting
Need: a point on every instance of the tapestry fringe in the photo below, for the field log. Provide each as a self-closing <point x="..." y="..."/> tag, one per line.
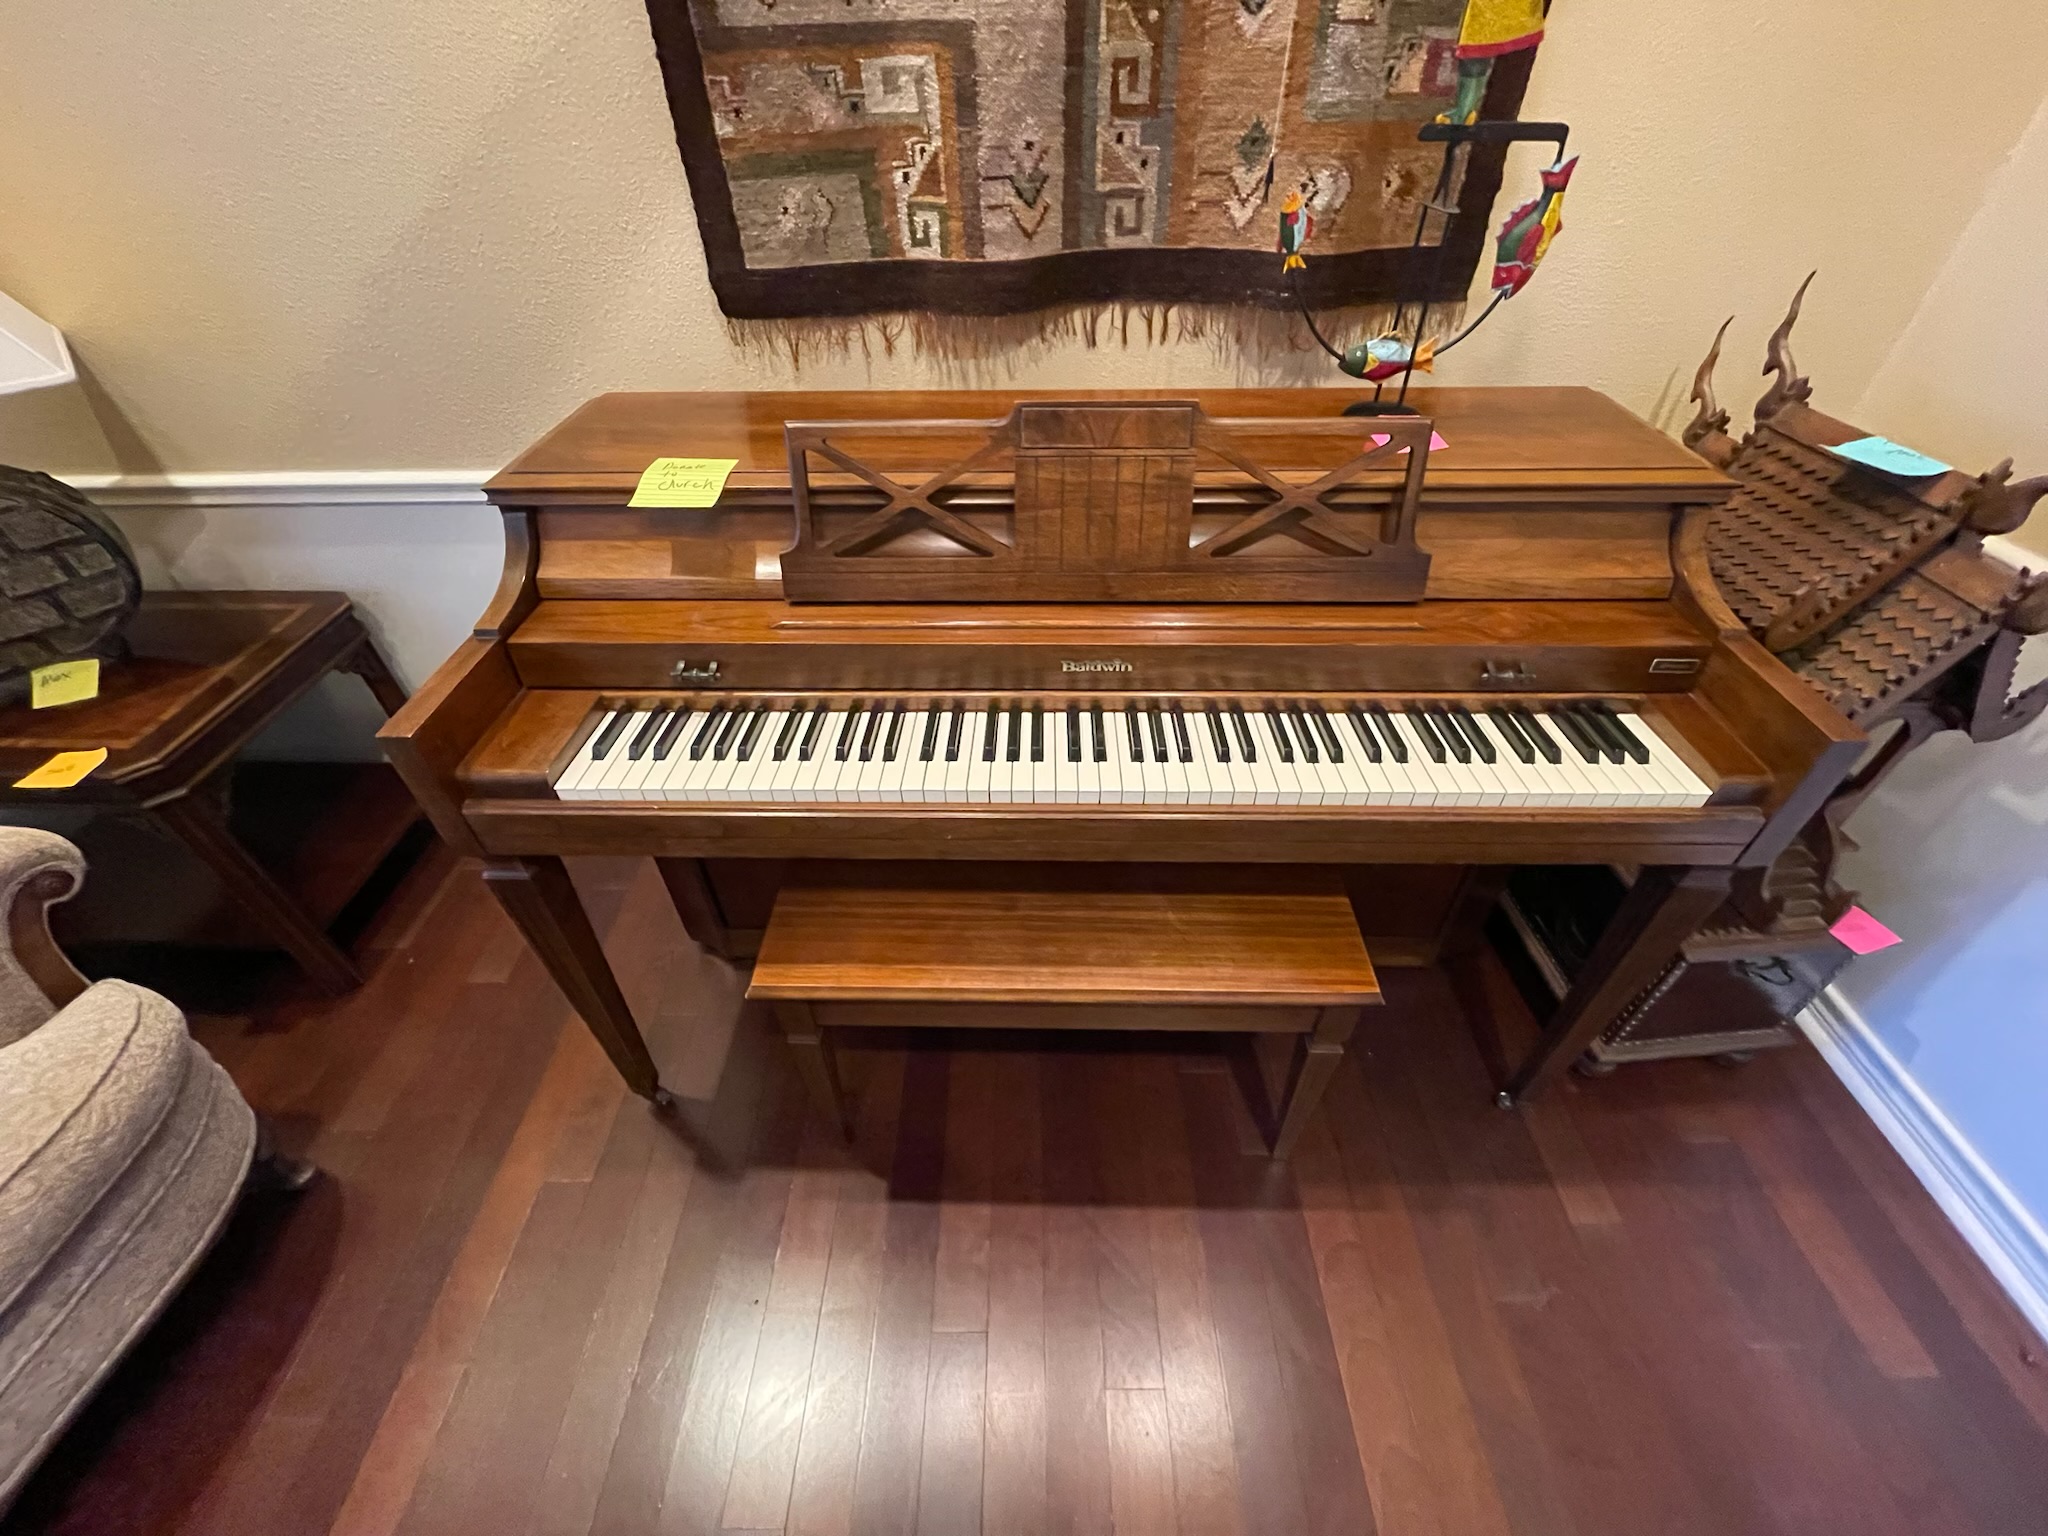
<point x="1266" y="342"/>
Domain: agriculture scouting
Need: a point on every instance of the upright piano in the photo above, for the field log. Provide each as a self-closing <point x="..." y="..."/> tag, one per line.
<point x="1226" y="627"/>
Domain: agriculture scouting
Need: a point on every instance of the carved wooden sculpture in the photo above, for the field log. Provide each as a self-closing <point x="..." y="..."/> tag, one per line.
<point x="1875" y="590"/>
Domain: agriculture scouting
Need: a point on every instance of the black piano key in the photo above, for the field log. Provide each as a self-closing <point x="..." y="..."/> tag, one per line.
<point x="1311" y="749"/>
<point x="931" y="733"/>
<point x="1095" y="720"/>
<point x="1218" y="737"/>
<point x="1246" y="746"/>
<point x="1534" y="729"/>
<point x="1181" y="743"/>
<point x="1390" y="733"/>
<point x="1602" y="732"/>
<point x="1327" y="730"/>
<point x="870" y="731"/>
<point x="666" y="741"/>
<point x="953" y="732"/>
<point x="1277" y="728"/>
<point x="752" y="733"/>
<point x="1512" y="733"/>
<point x="1575" y="732"/>
<point x="729" y="734"/>
<point x="843" y="747"/>
<point x="644" y="737"/>
<point x="785" y="738"/>
<point x="1158" y="724"/>
<point x="1013" y="743"/>
<point x="1447" y="728"/>
<point x="895" y="733"/>
<point x="1482" y="743"/>
<point x="608" y="734"/>
<point x="701" y="742"/>
<point x="1136" y="732"/>
<point x="1631" y="743"/>
<point x="1432" y="743"/>
<point x="1368" y="738"/>
<point x="1073" y="732"/>
<point x="1038" y="733"/>
<point x="991" y="725"/>
<point x="812" y="732"/>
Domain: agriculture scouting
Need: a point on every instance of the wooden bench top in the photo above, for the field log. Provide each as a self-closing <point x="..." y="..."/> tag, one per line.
<point x="870" y="936"/>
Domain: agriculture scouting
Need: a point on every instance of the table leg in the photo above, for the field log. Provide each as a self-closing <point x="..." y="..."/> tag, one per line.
<point x="1315" y="1061"/>
<point x="1662" y="910"/>
<point x="368" y="664"/>
<point x="541" y="899"/>
<point x="203" y="829"/>
<point x="815" y="1062"/>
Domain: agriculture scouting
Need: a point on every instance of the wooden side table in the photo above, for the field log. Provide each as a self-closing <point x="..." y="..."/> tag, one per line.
<point x="209" y="670"/>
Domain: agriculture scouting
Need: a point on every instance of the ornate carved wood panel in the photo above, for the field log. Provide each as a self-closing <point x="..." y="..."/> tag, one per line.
<point x="1142" y="501"/>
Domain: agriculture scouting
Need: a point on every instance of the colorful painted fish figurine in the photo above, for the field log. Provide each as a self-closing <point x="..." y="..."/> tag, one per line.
<point x="1384" y="357"/>
<point x="1526" y="236"/>
<point x="1296" y="225"/>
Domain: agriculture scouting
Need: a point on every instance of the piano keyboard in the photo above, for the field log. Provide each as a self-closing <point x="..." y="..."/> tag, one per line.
<point x="1125" y="752"/>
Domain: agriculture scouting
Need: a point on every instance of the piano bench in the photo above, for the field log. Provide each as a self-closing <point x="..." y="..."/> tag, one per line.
<point x="1086" y="947"/>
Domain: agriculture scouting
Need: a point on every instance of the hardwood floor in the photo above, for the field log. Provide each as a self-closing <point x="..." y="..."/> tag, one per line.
<point x="1049" y="1290"/>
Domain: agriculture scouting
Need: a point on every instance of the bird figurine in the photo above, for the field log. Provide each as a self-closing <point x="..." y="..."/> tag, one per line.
<point x="1526" y="236"/>
<point x="1490" y="30"/>
<point x="1386" y="356"/>
<point x="1296" y="225"/>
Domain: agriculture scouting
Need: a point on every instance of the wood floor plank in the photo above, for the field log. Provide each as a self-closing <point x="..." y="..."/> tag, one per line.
<point x="1141" y="1464"/>
<point x="603" y="1379"/>
<point x="1124" y="1283"/>
<point x="764" y="1464"/>
<point x="960" y="1288"/>
<point x="828" y="1455"/>
<point x="1197" y="1397"/>
<point x="1013" y="1458"/>
<point x="1076" y="1414"/>
<point x="721" y="1373"/>
<point x="389" y="1471"/>
<point x="949" y="1492"/>
<point x="892" y="1424"/>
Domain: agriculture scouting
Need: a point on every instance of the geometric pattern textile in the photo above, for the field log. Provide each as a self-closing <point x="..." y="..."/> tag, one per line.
<point x="990" y="157"/>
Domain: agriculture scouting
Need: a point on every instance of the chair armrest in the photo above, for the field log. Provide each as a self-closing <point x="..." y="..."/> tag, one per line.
<point x="37" y="869"/>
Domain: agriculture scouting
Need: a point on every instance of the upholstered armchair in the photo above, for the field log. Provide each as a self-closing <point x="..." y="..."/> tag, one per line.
<point x="123" y="1148"/>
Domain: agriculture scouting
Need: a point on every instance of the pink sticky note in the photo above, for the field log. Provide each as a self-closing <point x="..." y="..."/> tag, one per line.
<point x="1436" y="441"/>
<point x="1863" y="933"/>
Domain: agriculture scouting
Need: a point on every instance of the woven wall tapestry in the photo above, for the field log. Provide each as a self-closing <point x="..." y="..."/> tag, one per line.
<point x="994" y="157"/>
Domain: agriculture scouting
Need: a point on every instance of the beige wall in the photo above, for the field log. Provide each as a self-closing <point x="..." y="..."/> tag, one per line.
<point x="295" y="235"/>
<point x="1968" y="376"/>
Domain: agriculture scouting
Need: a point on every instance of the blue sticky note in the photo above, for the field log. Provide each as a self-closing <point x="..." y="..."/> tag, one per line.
<point x="1888" y="457"/>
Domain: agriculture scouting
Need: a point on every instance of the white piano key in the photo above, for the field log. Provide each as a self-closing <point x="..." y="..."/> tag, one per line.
<point x="1688" y="787"/>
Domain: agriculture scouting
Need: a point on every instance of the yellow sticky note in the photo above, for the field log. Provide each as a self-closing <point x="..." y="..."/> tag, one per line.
<point x="63" y="770"/>
<point x="64" y="682"/>
<point x="682" y="483"/>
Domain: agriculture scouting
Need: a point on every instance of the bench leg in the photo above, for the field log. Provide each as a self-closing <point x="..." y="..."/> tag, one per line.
<point x="814" y="1060"/>
<point x="1315" y="1059"/>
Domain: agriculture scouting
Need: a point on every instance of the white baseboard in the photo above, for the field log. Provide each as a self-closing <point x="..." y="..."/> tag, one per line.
<point x="287" y="488"/>
<point x="2004" y="1233"/>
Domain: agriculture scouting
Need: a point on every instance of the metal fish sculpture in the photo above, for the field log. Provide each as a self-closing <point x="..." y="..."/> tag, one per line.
<point x="1526" y="236"/>
<point x="1385" y="357"/>
<point x="1296" y="225"/>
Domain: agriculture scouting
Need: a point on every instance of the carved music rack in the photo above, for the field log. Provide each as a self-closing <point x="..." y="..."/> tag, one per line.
<point x="1141" y="502"/>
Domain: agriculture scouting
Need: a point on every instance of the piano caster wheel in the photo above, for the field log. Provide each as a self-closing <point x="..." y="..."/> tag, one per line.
<point x="1502" y="1101"/>
<point x="1734" y="1059"/>
<point x="664" y="1102"/>
<point x="1590" y="1065"/>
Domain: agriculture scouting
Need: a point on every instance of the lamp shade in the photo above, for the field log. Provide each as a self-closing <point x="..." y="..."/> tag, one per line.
<point x="32" y="351"/>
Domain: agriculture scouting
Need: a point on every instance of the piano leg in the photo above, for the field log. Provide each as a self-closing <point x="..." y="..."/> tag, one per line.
<point x="696" y="903"/>
<point x="1662" y="910"/>
<point x="540" y="898"/>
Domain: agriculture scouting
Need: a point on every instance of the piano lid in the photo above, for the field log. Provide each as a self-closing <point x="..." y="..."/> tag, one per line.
<point x="1501" y="440"/>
